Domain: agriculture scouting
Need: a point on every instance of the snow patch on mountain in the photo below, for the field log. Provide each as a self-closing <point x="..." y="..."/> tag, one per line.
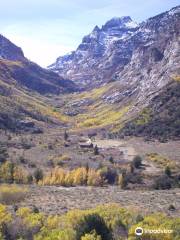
<point x="141" y="57"/>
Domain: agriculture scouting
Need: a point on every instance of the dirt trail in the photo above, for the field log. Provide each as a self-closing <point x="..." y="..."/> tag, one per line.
<point x="129" y="152"/>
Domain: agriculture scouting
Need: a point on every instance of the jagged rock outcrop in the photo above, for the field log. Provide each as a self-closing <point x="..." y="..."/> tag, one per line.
<point x="142" y="58"/>
<point x="89" y="63"/>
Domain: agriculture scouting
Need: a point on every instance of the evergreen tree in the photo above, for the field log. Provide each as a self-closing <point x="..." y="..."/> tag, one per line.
<point x="29" y="178"/>
<point x="38" y="175"/>
<point x="131" y="168"/>
<point x="3" y="153"/>
<point x="111" y="160"/>
<point x="96" y="150"/>
<point x="122" y="180"/>
<point x="167" y="171"/>
<point x="137" y="161"/>
<point x="66" y="136"/>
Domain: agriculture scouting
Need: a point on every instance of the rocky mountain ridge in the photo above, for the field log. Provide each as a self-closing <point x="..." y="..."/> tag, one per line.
<point x="121" y="66"/>
<point x="16" y="67"/>
<point x="10" y="51"/>
<point x="141" y="58"/>
<point x="95" y="46"/>
<point x="24" y="87"/>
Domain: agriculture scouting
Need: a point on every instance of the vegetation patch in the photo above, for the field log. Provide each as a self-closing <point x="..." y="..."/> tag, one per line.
<point x="102" y="116"/>
<point x="176" y="78"/>
<point x="157" y="222"/>
<point x="12" y="173"/>
<point x="161" y="119"/>
<point x="161" y="160"/>
<point x="11" y="194"/>
<point x="96" y="93"/>
<point x="144" y="117"/>
<point x="79" y="176"/>
<point x="105" y="222"/>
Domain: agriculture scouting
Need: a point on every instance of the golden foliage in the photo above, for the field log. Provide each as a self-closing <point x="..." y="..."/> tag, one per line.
<point x="79" y="176"/>
<point x="161" y="160"/>
<point x="144" y="117"/>
<point x="79" y="224"/>
<point x="10" y="173"/>
<point x="157" y="222"/>
<point x="10" y="194"/>
<point x="95" y="93"/>
<point x="176" y="78"/>
<point x="94" y="178"/>
<point x="19" y="175"/>
<point x="101" y="116"/>
<point x="29" y="218"/>
<point x="5" y="217"/>
<point x="91" y="236"/>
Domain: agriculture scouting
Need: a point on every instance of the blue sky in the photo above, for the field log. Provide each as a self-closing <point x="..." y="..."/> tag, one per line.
<point x="46" y="29"/>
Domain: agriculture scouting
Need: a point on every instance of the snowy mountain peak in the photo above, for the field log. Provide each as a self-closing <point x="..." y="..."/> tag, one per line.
<point x="96" y="44"/>
<point x="175" y="10"/>
<point x="121" y="22"/>
<point x="114" y="51"/>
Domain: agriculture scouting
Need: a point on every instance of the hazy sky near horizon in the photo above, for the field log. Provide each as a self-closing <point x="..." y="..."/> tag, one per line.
<point x="46" y="29"/>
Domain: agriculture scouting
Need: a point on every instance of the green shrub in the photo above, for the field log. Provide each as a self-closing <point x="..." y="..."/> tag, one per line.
<point x="29" y="179"/>
<point x="3" y="153"/>
<point x="167" y="171"/>
<point x="109" y="175"/>
<point x="38" y="175"/>
<point x="93" y="222"/>
<point x="96" y="150"/>
<point x="163" y="182"/>
<point x="137" y="161"/>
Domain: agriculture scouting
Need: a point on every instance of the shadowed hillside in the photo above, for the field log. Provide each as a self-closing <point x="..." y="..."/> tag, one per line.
<point x="161" y="118"/>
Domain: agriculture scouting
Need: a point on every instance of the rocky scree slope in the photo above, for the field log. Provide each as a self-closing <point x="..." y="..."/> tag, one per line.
<point x="161" y="119"/>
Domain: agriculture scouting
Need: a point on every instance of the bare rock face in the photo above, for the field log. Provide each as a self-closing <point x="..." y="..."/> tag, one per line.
<point x="91" y="61"/>
<point x="142" y="58"/>
<point x="10" y="51"/>
<point x="155" y="54"/>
